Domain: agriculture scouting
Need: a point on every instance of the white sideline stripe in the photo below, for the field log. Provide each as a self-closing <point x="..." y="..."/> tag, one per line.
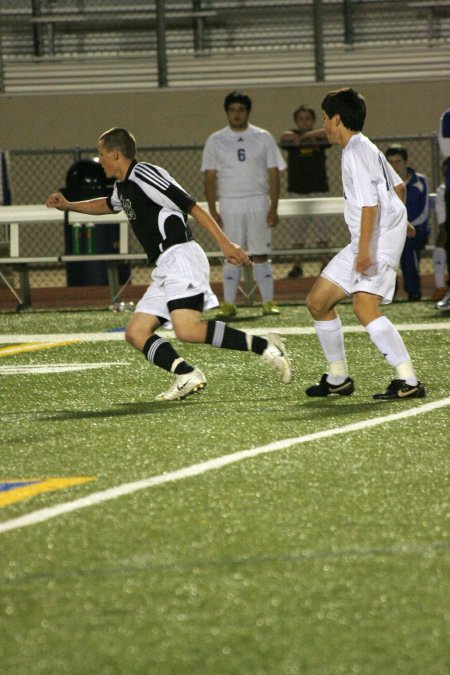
<point x="39" y="369"/>
<point x="119" y="336"/>
<point x="210" y="465"/>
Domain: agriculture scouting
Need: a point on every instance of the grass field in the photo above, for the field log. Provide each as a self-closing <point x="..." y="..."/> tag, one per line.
<point x="321" y="553"/>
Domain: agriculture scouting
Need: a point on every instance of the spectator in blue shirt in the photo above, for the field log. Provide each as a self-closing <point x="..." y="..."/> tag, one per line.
<point x="417" y="206"/>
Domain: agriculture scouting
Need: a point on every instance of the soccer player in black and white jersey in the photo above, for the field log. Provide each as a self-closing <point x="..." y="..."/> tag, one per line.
<point x="157" y="208"/>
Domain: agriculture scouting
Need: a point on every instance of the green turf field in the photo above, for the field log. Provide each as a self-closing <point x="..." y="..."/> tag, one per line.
<point x="328" y="554"/>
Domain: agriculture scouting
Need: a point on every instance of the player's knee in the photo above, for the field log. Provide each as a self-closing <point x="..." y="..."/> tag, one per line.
<point x="190" y="332"/>
<point x="131" y="336"/>
<point x="314" y="305"/>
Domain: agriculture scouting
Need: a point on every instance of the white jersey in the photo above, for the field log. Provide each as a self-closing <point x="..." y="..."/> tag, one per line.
<point x="369" y="180"/>
<point x="241" y="159"/>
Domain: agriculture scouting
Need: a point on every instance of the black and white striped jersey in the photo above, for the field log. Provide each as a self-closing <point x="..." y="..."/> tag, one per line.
<point x="156" y="207"/>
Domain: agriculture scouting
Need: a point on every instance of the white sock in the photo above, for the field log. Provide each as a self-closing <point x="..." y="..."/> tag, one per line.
<point x="231" y="278"/>
<point x="388" y="341"/>
<point x="331" y="340"/>
<point x="439" y="262"/>
<point x="264" y="280"/>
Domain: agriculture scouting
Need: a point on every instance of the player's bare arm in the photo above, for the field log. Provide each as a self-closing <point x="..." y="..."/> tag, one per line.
<point x="210" y="181"/>
<point x="313" y="135"/>
<point x="364" y="258"/>
<point x="274" y="194"/>
<point x="289" y="138"/>
<point x="400" y="190"/>
<point x="232" y="252"/>
<point x="93" y="207"/>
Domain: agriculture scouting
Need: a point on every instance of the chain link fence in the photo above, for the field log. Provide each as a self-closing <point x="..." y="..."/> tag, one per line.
<point x="36" y="173"/>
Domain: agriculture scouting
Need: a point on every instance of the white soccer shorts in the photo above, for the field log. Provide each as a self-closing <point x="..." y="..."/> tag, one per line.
<point x="245" y="223"/>
<point x="379" y="279"/>
<point x="181" y="272"/>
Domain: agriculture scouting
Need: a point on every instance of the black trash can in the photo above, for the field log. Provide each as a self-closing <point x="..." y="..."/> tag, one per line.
<point x="86" y="180"/>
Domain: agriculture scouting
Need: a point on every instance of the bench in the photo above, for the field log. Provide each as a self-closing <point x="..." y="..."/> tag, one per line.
<point x="17" y="216"/>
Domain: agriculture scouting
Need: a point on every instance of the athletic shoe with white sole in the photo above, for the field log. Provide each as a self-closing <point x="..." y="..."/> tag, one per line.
<point x="398" y="389"/>
<point x="445" y="302"/>
<point x="183" y="386"/>
<point x="275" y="354"/>
<point x="324" y="388"/>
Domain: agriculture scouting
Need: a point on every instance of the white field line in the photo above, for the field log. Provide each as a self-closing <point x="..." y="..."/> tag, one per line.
<point x="43" y="515"/>
<point x="119" y="336"/>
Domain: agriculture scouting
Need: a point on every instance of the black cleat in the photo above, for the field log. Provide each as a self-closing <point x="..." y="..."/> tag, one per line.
<point x="399" y="389"/>
<point x="324" y="388"/>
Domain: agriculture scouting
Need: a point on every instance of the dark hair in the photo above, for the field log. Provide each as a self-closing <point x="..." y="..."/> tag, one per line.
<point x="237" y="97"/>
<point x="120" y="139"/>
<point x="304" y="108"/>
<point x="396" y="150"/>
<point x="347" y="103"/>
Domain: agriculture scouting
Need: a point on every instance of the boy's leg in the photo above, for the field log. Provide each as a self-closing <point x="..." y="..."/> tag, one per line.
<point x="389" y="343"/>
<point x="324" y="296"/>
<point x="189" y="327"/>
<point x="409" y="263"/>
<point x="157" y="350"/>
<point x="140" y="333"/>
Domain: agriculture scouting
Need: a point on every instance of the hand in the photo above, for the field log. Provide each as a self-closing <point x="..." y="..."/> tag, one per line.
<point x="57" y="201"/>
<point x="272" y="217"/>
<point x="235" y="254"/>
<point x="363" y="262"/>
<point x="410" y="230"/>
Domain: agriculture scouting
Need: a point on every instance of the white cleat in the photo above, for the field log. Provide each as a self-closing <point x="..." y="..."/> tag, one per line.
<point x="444" y="304"/>
<point x="275" y="354"/>
<point x="183" y="386"/>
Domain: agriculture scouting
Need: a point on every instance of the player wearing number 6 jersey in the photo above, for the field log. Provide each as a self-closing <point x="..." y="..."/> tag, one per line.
<point x="241" y="165"/>
<point x="366" y="269"/>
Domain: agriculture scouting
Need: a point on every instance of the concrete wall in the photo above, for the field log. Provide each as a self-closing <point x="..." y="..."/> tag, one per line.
<point x="172" y="117"/>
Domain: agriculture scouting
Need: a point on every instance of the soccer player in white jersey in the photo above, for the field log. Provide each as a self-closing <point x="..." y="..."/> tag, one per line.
<point x="241" y="165"/>
<point x="157" y="208"/>
<point x="366" y="269"/>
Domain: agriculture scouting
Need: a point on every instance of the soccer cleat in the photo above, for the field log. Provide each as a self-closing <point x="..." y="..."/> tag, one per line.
<point x="226" y="311"/>
<point x="275" y="354"/>
<point x="324" y="388"/>
<point x="399" y="389"/>
<point x="445" y="302"/>
<point x="439" y="294"/>
<point x="269" y="308"/>
<point x="183" y="386"/>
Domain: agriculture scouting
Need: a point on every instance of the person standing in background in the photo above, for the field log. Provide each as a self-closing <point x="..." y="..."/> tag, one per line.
<point x="307" y="172"/>
<point x="417" y="208"/>
<point x="241" y="166"/>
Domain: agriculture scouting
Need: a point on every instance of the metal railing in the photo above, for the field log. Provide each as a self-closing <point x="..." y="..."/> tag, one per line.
<point x="38" y="31"/>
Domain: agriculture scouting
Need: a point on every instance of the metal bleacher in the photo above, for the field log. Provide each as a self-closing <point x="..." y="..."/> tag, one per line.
<point x="105" y="45"/>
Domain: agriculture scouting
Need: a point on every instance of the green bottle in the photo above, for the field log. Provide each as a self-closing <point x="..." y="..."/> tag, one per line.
<point x="76" y="239"/>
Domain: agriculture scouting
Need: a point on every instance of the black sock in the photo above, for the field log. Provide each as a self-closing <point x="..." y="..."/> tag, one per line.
<point x="160" y="352"/>
<point x="218" y="334"/>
